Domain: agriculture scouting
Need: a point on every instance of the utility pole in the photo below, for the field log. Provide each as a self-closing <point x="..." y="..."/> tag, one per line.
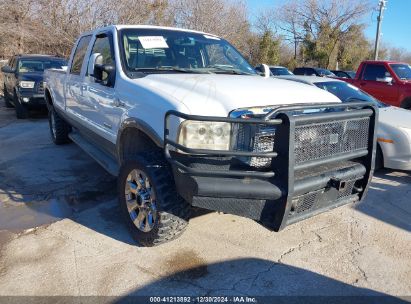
<point x="379" y="19"/>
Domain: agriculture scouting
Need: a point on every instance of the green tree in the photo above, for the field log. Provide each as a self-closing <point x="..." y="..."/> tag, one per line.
<point x="269" y="49"/>
<point x="353" y="48"/>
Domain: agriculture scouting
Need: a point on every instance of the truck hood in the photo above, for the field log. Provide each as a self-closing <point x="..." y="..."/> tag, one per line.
<point x="31" y="76"/>
<point x="218" y="94"/>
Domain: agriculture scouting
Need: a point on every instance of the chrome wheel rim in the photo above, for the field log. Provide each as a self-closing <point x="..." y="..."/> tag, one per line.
<point x="141" y="200"/>
<point x="53" y="125"/>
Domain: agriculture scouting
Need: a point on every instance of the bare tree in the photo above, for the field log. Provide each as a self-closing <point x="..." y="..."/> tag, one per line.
<point x="320" y="24"/>
<point x="291" y="23"/>
<point x="225" y="18"/>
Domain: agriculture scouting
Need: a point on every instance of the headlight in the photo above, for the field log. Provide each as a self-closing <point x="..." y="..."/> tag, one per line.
<point x="26" y="84"/>
<point x="205" y="135"/>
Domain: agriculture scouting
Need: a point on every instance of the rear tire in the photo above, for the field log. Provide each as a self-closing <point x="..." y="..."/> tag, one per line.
<point x="21" y="110"/>
<point x="59" y="129"/>
<point x="147" y="189"/>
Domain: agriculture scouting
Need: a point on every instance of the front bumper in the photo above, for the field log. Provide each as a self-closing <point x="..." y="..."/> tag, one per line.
<point x="398" y="163"/>
<point x="292" y="188"/>
<point x="32" y="97"/>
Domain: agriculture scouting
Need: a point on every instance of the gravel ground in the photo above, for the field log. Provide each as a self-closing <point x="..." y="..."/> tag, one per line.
<point x="61" y="235"/>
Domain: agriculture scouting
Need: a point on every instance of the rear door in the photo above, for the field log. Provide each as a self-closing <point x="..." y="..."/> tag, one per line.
<point x="371" y="82"/>
<point x="75" y="90"/>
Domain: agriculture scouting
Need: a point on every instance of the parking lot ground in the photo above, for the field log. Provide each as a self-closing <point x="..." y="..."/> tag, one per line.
<point x="61" y="234"/>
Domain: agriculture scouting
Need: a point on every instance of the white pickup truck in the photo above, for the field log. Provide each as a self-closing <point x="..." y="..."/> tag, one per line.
<point x="183" y="120"/>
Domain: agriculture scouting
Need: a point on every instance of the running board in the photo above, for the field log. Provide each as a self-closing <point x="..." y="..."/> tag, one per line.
<point x="97" y="154"/>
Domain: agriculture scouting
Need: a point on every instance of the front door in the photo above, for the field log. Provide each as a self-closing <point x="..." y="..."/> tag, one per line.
<point x="372" y="83"/>
<point x="101" y="95"/>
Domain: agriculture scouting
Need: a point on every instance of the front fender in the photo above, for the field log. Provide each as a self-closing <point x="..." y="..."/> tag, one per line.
<point x="142" y="126"/>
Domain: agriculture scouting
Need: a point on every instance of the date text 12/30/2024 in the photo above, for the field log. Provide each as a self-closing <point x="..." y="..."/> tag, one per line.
<point x="240" y="299"/>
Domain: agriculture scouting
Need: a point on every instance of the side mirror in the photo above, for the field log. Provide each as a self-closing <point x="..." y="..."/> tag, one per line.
<point x="264" y="70"/>
<point x="95" y="58"/>
<point x="97" y="69"/>
<point x="387" y="80"/>
<point x="7" y="69"/>
<point x="100" y="69"/>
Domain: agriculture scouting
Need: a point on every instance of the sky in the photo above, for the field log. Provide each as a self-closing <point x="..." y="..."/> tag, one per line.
<point x="396" y="31"/>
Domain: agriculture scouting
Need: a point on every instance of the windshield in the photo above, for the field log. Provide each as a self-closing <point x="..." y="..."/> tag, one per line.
<point x="39" y="65"/>
<point x="352" y="74"/>
<point x="280" y="71"/>
<point x="347" y="92"/>
<point x="168" y="51"/>
<point x="403" y="71"/>
<point x="325" y="72"/>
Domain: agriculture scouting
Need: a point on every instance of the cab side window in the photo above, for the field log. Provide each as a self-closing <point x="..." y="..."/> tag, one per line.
<point x="102" y="46"/>
<point x="79" y="54"/>
<point x="374" y="72"/>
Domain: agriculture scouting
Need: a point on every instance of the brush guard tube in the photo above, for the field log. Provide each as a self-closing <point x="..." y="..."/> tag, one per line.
<point x="292" y="188"/>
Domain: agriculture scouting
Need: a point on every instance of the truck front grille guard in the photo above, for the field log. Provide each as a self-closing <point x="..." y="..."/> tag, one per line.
<point x="283" y="119"/>
<point x="285" y="159"/>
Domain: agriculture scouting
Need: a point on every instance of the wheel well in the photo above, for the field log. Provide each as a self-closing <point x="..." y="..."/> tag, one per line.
<point x="134" y="141"/>
<point x="406" y="103"/>
<point x="48" y="98"/>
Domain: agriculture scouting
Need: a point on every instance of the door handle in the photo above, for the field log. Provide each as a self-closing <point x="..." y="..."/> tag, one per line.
<point x="118" y="103"/>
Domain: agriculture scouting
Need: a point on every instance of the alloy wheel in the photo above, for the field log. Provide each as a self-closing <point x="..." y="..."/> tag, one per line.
<point x="140" y="200"/>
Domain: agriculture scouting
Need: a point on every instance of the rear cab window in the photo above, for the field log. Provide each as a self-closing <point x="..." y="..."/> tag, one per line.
<point x="79" y="54"/>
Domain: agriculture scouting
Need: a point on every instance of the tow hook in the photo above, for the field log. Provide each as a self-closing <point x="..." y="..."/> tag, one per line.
<point x="338" y="184"/>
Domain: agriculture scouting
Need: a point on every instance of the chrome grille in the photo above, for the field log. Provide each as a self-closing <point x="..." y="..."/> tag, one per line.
<point x="252" y="138"/>
<point x="322" y="140"/>
<point x="40" y="87"/>
<point x="312" y="141"/>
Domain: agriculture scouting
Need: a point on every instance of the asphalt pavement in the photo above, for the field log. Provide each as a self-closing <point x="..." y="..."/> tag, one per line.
<point x="61" y="235"/>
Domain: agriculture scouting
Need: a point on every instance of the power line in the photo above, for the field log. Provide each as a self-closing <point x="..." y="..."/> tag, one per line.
<point x="382" y="6"/>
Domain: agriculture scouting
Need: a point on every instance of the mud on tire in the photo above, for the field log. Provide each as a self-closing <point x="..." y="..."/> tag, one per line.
<point x="171" y="212"/>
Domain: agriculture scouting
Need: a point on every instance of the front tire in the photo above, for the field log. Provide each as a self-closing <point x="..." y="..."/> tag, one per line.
<point x="6" y="97"/>
<point x="379" y="159"/>
<point x="153" y="210"/>
<point x="59" y="129"/>
<point x="21" y="110"/>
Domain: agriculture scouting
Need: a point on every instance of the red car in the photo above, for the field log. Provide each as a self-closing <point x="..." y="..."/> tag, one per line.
<point x="388" y="81"/>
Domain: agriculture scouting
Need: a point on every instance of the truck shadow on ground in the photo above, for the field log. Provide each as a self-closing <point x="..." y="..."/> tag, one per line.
<point x="388" y="199"/>
<point x="273" y="282"/>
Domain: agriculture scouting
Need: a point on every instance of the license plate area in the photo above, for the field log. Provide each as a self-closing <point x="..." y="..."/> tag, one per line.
<point x="321" y="199"/>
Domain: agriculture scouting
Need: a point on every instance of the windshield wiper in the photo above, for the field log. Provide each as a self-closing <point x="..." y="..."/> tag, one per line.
<point x="224" y="69"/>
<point x="350" y="99"/>
<point x="170" y="69"/>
